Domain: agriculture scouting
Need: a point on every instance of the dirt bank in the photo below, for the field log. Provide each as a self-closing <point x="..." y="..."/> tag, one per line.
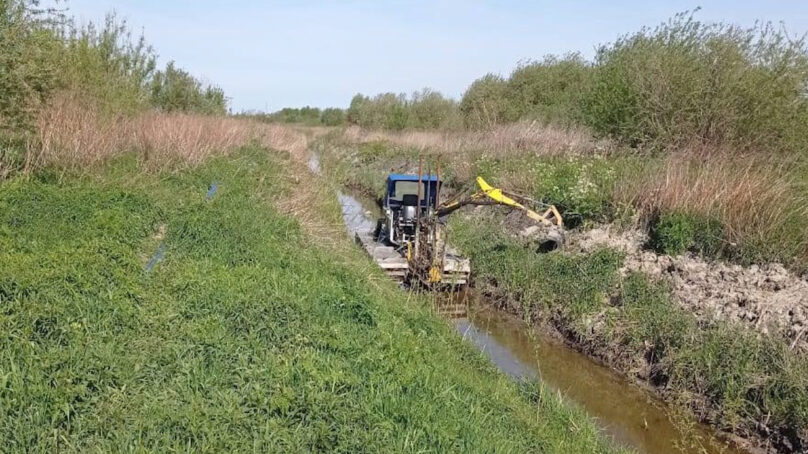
<point x="766" y="298"/>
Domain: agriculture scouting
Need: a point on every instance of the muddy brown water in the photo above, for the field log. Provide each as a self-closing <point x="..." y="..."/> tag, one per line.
<point x="631" y="415"/>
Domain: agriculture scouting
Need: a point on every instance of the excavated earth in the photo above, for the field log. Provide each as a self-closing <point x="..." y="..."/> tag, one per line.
<point x="767" y="298"/>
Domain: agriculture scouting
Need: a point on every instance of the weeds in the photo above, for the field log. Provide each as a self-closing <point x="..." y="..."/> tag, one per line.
<point x="677" y="233"/>
<point x="758" y="204"/>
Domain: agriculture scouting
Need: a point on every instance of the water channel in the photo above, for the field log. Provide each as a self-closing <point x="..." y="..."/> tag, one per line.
<point x="630" y="414"/>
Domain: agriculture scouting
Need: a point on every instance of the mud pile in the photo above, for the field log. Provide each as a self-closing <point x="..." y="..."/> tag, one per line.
<point x="767" y="298"/>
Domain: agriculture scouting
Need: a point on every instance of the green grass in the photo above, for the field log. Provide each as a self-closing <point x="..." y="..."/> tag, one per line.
<point x="246" y="337"/>
<point x="676" y="233"/>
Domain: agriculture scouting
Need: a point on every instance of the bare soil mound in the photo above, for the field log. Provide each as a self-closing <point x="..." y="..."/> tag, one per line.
<point x="767" y="298"/>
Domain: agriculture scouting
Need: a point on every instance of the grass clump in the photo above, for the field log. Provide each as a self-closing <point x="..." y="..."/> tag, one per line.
<point x="575" y="287"/>
<point x="676" y="233"/>
<point x="247" y="336"/>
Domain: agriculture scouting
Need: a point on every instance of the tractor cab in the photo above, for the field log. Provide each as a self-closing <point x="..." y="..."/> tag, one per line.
<point x="402" y="208"/>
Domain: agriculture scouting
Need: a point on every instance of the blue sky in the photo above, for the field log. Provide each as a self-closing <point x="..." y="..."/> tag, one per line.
<point x="273" y="54"/>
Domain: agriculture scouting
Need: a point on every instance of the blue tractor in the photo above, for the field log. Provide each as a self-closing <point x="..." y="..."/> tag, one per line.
<point x="402" y="208"/>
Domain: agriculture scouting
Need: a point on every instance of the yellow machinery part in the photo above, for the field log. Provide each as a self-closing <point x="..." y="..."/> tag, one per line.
<point x="497" y="195"/>
<point x="435" y="274"/>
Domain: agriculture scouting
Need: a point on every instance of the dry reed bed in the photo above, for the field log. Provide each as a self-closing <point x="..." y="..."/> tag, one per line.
<point x="757" y="201"/>
<point x="73" y="135"/>
<point x="502" y="140"/>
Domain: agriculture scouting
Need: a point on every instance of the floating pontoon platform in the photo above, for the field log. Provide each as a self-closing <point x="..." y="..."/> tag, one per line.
<point x="456" y="269"/>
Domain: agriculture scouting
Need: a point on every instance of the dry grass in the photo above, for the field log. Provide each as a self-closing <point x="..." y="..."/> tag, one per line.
<point x="461" y="149"/>
<point x="72" y="134"/>
<point x="756" y="201"/>
<point x="516" y="138"/>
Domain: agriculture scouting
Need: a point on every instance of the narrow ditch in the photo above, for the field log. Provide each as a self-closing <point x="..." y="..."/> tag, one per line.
<point x="631" y="415"/>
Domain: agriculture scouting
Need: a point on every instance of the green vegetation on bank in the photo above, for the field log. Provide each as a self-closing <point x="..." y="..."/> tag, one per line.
<point x="246" y="336"/>
<point x="726" y="374"/>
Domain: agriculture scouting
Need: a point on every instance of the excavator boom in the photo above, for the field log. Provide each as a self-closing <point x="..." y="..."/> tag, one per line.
<point x="489" y="195"/>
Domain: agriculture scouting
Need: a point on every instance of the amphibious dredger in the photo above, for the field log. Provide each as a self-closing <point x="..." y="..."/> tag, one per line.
<point x="409" y="241"/>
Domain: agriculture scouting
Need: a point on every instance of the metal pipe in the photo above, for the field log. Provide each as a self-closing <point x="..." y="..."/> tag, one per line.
<point x="428" y="187"/>
<point x="436" y="225"/>
<point x="437" y="190"/>
<point x="418" y="211"/>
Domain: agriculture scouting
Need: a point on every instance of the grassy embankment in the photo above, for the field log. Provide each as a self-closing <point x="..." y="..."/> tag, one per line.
<point x="247" y="336"/>
<point x="728" y="376"/>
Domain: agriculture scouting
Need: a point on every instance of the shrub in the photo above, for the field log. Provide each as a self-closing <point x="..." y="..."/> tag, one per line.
<point x="686" y="80"/>
<point x="429" y="109"/>
<point x="107" y="65"/>
<point x="45" y="58"/>
<point x="175" y="90"/>
<point x="485" y="103"/>
<point x="549" y="89"/>
<point x="332" y="117"/>
<point x="425" y="109"/>
<point x="27" y="68"/>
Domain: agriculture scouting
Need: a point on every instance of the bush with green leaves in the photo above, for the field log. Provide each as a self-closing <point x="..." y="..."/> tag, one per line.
<point x="428" y="109"/>
<point x="425" y="109"/>
<point x="550" y="89"/>
<point x="486" y="103"/>
<point x="43" y="52"/>
<point x="383" y="111"/>
<point x="107" y="65"/>
<point x="687" y="80"/>
<point x="28" y="67"/>
<point x="681" y="82"/>
<point x="175" y="90"/>
<point x="332" y="116"/>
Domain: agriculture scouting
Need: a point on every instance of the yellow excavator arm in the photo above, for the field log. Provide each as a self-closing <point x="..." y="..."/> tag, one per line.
<point x="498" y="196"/>
<point x="491" y="195"/>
